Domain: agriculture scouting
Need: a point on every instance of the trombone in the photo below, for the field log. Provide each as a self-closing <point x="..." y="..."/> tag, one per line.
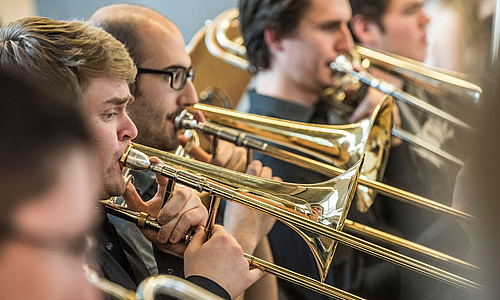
<point x="308" y="138"/>
<point x="151" y="287"/>
<point x="335" y="196"/>
<point x="366" y="137"/>
<point x="445" y="84"/>
<point x="453" y="86"/>
<point x="289" y="203"/>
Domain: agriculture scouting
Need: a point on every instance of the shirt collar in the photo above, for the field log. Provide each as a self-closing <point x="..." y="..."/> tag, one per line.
<point x="279" y="108"/>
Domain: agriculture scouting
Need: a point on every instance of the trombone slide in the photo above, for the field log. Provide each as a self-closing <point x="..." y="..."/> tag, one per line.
<point x="294" y="218"/>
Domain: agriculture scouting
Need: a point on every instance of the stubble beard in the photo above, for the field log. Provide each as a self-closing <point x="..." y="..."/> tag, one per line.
<point x="113" y="183"/>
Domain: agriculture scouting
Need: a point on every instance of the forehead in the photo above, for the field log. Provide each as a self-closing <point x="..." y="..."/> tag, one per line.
<point x="101" y="92"/>
<point x="163" y="45"/>
<point x="399" y="5"/>
<point x="328" y="10"/>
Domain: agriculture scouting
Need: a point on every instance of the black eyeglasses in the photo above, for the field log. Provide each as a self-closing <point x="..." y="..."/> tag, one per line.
<point x="177" y="75"/>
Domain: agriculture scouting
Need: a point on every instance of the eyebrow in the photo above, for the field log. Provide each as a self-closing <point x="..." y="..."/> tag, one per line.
<point x="331" y="23"/>
<point x="413" y="5"/>
<point x="121" y="101"/>
<point x="175" y="67"/>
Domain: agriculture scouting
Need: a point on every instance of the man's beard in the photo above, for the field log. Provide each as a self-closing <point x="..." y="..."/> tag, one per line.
<point x="113" y="185"/>
<point x="153" y="133"/>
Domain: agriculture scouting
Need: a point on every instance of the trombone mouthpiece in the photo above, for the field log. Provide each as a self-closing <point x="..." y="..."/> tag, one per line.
<point x="135" y="160"/>
<point x="341" y="64"/>
<point x="185" y="120"/>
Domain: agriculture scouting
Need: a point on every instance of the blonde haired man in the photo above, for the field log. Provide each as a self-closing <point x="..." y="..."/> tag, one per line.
<point x="91" y="67"/>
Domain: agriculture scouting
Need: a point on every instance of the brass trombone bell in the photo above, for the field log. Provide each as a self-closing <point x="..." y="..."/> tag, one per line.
<point x="334" y="196"/>
<point x="289" y="134"/>
<point x="341" y="146"/>
<point x="291" y="210"/>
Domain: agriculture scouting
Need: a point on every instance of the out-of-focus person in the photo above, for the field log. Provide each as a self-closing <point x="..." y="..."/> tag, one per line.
<point x="460" y="35"/>
<point x="48" y="192"/>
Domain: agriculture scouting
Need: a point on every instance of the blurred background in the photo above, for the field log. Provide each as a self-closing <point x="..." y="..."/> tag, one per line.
<point x="188" y="15"/>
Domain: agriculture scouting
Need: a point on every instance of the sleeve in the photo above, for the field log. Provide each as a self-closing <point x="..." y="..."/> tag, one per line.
<point x="173" y="265"/>
<point x="209" y="285"/>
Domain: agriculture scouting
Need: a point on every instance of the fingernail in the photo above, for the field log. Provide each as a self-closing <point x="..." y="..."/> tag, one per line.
<point x="173" y="239"/>
<point x="161" y="238"/>
<point x="162" y="220"/>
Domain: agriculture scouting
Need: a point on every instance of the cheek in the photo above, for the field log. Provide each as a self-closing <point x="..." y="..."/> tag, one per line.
<point x="403" y="30"/>
<point x="105" y="138"/>
<point x="303" y="59"/>
<point x="51" y="276"/>
<point x="160" y="101"/>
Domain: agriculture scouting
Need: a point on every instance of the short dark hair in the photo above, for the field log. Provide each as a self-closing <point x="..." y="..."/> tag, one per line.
<point x="36" y="127"/>
<point x="258" y="15"/>
<point x="372" y="10"/>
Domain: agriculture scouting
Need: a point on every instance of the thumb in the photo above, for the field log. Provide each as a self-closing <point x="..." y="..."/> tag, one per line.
<point x="196" y="152"/>
<point x="198" y="116"/>
<point x="198" y="239"/>
<point x="254" y="275"/>
<point x="360" y="111"/>
<point x="277" y="178"/>
<point x="132" y="198"/>
<point x="201" y="155"/>
<point x="182" y="139"/>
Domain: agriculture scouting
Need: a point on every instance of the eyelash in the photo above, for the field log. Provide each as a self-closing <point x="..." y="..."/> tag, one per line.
<point x="109" y="116"/>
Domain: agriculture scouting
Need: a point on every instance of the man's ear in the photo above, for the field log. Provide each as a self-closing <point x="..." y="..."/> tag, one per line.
<point x="133" y="88"/>
<point x="366" y="31"/>
<point x="273" y="40"/>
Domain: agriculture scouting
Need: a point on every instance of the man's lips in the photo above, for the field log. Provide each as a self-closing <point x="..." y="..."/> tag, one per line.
<point x="171" y="117"/>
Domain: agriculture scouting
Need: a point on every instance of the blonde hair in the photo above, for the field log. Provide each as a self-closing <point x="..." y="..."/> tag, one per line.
<point x="63" y="54"/>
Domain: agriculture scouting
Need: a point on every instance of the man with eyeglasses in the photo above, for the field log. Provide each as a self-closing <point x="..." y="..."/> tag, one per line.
<point x="163" y="88"/>
<point x="164" y="82"/>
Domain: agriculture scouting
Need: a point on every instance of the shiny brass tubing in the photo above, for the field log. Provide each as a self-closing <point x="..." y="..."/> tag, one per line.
<point x="203" y="184"/>
<point x="342" y="65"/>
<point x="299" y="279"/>
<point x="360" y="229"/>
<point x="228" y="119"/>
<point x="265" y="266"/>
<point x="382" y="188"/>
<point x="368" y="232"/>
<point x="173" y="286"/>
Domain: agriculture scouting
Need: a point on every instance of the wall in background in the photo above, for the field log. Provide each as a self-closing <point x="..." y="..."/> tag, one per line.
<point x="188" y="15"/>
<point x="11" y="10"/>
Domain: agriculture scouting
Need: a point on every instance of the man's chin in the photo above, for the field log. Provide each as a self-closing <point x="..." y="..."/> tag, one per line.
<point x="113" y="190"/>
